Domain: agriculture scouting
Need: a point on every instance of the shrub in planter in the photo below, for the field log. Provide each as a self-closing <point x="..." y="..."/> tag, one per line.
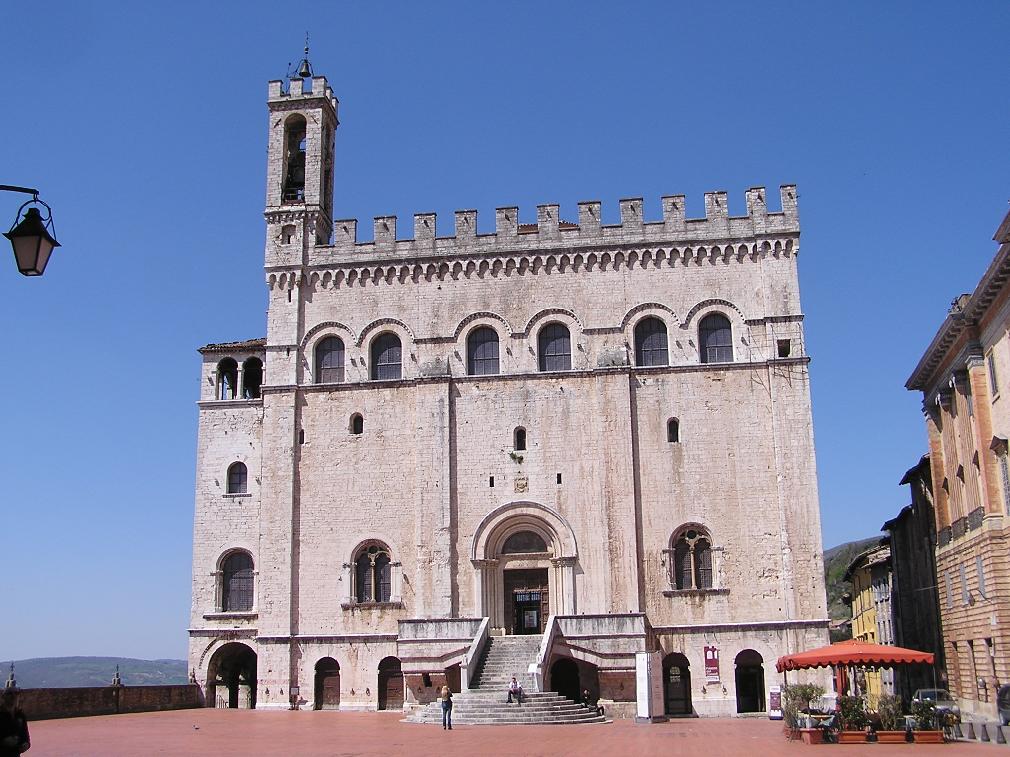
<point x="796" y="698"/>
<point x="852" y="713"/>
<point x="924" y="713"/>
<point x="889" y="710"/>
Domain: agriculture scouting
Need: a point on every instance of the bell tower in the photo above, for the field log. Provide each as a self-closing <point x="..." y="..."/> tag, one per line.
<point x="299" y="202"/>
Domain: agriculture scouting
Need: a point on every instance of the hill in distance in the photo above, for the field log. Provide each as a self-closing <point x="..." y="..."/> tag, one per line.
<point x="63" y="672"/>
<point x="836" y="560"/>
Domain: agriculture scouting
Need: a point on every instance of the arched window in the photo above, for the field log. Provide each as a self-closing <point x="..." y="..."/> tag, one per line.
<point x="523" y="542"/>
<point x="651" y="346"/>
<point x="555" y="347"/>
<point x="294" y="159"/>
<point x="715" y="339"/>
<point x="237" y="583"/>
<point x="330" y="361"/>
<point x="373" y="574"/>
<point x="357" y="424"/>
<point x="386" y="357"/>
<point x="227" y="379"/>
<point x="519" y="438"/>
<point x="238" y="478"/>
<point x="691" y="566"/>
<point x="673" y="431"/>
<point x="252" y="378"/>
<point x="482" y="352"/>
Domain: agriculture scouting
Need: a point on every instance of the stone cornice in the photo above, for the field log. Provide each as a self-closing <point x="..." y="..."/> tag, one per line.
<point x="334" y="270"/>
<point x="755" y="625"/>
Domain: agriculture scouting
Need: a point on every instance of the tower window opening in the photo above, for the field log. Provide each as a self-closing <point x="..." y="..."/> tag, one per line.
<point x="519" y="439"/>
<point x="490" y="482"/>
<point x="357" y="424"/>
<point x="288" y="234"/>
<point x="252" y="378"/>
<point x="784" y="347"/>
<point x="294" y="159"/>
<point x="673" y="431"/>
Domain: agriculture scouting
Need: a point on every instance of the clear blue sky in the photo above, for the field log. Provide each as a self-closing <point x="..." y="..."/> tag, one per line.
<point x="146" y="131"/>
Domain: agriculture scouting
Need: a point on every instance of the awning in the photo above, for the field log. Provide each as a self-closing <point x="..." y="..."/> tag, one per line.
<point x="853" y="652"/>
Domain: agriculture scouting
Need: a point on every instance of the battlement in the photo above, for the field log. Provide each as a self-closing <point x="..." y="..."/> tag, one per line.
<point x="279" y="91"/>
<point x="550" y="232"/>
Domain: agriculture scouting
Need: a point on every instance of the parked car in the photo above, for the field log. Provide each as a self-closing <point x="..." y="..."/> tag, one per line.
<point x="941" y="700"/>
<point x="1003" y="704"/>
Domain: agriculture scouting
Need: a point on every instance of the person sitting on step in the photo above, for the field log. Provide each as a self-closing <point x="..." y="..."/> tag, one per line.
<point x="515" y="690"/>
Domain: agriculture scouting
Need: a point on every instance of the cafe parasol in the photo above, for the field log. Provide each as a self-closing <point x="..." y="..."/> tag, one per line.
<point x="845" y="654"/>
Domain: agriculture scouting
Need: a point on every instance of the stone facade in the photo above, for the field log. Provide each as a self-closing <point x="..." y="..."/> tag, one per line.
<point x="914" y="601"/>
<point x="376" y="500"/>
<point x="962" y="377"/>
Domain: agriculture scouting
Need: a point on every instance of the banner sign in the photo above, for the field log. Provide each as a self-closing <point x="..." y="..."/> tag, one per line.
<point x="711" y="664"/>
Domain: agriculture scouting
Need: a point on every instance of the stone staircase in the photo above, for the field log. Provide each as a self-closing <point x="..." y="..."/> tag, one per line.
<point x="486" y="704"/>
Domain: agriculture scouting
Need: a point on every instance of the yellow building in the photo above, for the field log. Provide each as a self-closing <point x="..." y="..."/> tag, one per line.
<point x="870" y="577"/>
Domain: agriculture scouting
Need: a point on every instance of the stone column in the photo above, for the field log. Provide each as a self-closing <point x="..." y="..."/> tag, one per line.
<point x="348" y="589"/>
<point x="564" y="572"/>
<point x="240" y="382"/>
<point x="486" y="591"/>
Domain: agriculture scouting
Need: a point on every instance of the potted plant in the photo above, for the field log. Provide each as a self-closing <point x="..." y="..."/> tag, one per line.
<point x="889" y="710"/>
<point x="852" y="714"/>
<point x="926" y="732"/>
<point x="796" y="699"/>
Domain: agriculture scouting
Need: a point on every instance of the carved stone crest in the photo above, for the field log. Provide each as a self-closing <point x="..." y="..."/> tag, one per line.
<point x="522" y="483"/>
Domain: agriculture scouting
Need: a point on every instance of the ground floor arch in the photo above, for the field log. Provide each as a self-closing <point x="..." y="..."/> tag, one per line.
<point x="231" y="677"/>
<point x="327" y="684"/>
<point x="390" y="684"/>
<point x="750" y="682"/>
<point x="677" y="684"/>
<point x="565" y="678"/>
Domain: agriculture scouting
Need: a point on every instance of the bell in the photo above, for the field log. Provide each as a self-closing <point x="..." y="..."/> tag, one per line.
<point x="305" y="70"/>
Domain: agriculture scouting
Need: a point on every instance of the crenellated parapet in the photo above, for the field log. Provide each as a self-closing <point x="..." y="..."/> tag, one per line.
<point x="296" y="91"/>
<point x="716" y="231"/>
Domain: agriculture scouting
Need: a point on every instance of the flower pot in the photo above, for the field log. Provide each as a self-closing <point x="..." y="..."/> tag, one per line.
<point x="852" y="737"/>
<point x="929" y="737"/>
<point x="792" y="734"/>
<point x="891" y="737"/>
<point x="812" y="735"/>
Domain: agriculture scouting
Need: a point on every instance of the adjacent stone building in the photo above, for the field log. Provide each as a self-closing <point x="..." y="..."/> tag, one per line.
<point x="962" y="377"/>
<point x="914" y="600"/>
<point x="869" y="574"/>
<point x="599" y="434"/>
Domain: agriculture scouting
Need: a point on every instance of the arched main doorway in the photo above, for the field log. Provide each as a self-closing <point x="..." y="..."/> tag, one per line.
<point x="525" y="555"/>
<point x="565" y="678"/>
<point x="327" y="694"/>
<point x="750" y="682"/>
<point x="677" y="684"/>
<point x="231" y="677"/>
<point x="390" y="684"/>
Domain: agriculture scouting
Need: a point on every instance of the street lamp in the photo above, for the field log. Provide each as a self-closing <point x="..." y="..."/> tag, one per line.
<point x="31" y="235"/>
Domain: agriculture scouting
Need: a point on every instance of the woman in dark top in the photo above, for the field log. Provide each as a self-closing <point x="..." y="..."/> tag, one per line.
<point x="13" y="726"/>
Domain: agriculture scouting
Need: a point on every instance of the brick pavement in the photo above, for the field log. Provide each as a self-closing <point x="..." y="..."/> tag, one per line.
<point x="245" y="732"/>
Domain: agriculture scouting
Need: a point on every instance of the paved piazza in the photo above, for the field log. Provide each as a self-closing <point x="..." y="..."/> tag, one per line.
<point x="250" y="732"/>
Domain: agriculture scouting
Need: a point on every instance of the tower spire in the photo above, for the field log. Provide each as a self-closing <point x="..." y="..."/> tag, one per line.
<point x="305" y="69"/>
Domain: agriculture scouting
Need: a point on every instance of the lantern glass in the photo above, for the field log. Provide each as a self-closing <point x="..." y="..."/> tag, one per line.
<point x="32" y="243"/>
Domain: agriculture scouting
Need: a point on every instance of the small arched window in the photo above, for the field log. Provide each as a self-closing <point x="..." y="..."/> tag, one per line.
<point x="373" y="574"/>
<point x="673" y="431"/>
<point x="555" y="347"/>
<point x="386" y="360"/>
<point x="287" y="234"/>
<point x="651" y="346"/>
<point x="692" y="559"/>
<point x="252" y="378"/>
<point x="237" y="583"/>
<point x="715" y="339"/>
<point x="330" y="361"/>
<point x="227" y="379"/>
<point x="482" y="352"/>
<point x="523" y="542"/>
<point x="357" y="424"/>
<point x="519" y="438"/>
<point x="238" y="478"/>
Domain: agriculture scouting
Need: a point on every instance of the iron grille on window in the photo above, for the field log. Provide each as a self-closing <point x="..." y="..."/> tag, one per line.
<point x="651" y="347"/>
<point x="1005" y="476"/>
<point x="373" y="575"/>
<point x="330" y="361"/>
<point x="386" y="363"/>
<point x="482" y="352"/>
<point x="993" y="380"/>
<point x="715" y="337"/>
<point x="237" y="578"/>
<point x="238" y="478"/>
<point x="555" y="346"/>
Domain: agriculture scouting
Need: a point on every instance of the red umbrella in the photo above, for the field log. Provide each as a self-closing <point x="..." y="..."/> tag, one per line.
<point x="853" y="652"/>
